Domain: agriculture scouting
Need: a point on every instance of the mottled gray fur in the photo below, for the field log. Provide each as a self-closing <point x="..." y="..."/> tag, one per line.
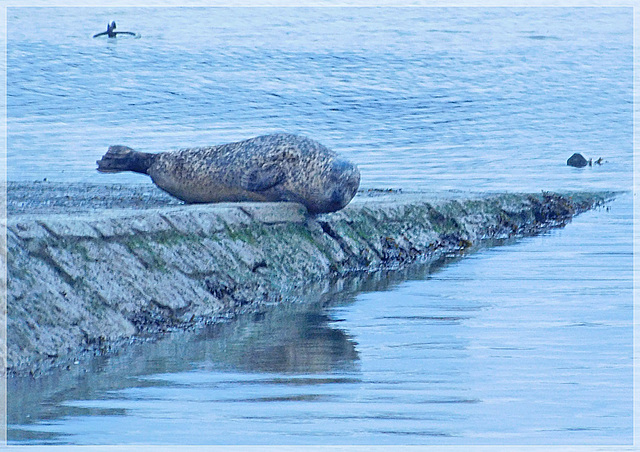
<point x="279" y="167"/>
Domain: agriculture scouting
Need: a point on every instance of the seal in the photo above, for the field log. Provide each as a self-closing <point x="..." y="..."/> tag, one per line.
<point x="280" y="167"/>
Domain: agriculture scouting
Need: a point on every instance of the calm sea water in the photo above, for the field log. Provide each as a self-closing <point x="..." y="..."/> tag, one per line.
<point x="529" y="343"/>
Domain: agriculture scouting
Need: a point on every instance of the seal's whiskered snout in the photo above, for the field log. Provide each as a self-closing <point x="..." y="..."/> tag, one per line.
<point x="337" y="201"/>
<point x="336" y="197"/>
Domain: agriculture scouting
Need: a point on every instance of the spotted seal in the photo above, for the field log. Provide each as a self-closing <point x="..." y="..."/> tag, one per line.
<point x="281" y="167"/>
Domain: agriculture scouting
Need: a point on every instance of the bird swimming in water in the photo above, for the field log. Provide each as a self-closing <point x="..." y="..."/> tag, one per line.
<point x="111" y="33"/>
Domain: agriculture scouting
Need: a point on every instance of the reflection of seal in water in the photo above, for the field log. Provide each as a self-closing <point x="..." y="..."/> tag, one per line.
<point x="111" y="33"/>
<point x="278" y="167"/>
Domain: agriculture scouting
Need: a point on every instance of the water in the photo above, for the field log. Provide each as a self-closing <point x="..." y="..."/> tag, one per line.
<point x="420" y="97"/>
<point x="529" y="343"/>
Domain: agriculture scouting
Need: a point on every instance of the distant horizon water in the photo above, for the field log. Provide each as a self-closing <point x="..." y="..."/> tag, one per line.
<point x="451" y="98"/>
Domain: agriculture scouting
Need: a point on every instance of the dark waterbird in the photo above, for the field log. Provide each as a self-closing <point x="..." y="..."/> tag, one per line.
<point x="111" y="33"/>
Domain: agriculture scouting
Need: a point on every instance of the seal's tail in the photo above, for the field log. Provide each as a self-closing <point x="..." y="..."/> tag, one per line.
<point x="123" y="158"/>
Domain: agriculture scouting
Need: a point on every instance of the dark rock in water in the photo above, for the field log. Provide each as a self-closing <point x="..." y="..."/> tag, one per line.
<point x="577" y="160"/>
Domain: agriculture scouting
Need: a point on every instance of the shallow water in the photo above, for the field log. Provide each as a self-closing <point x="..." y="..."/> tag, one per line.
<point x="529" y="343"/>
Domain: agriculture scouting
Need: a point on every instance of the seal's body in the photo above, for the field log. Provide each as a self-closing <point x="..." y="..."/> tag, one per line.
<point x="280" y="167"/>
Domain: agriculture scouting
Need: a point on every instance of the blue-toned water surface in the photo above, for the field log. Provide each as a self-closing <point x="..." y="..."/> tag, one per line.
<point x="526" y="343"/>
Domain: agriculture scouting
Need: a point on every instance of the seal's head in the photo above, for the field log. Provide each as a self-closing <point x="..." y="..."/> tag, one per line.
<point x="311" y="174"/>
<point x="340" y="185"/>
<point x="324" y="184"/>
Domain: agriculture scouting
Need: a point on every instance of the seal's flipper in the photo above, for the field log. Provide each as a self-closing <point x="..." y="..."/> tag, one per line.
<point x="123" y="158"/>
<point x="262" y="179"/>
<point x="269" y="173"/>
